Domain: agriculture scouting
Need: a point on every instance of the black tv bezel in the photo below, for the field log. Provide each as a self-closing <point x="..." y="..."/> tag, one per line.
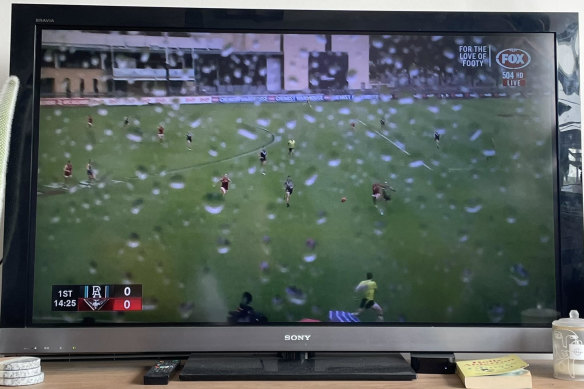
<point x="29" y="19"/>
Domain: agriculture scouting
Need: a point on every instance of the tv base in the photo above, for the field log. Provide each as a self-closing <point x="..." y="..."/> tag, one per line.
<point x="303" y="366"/>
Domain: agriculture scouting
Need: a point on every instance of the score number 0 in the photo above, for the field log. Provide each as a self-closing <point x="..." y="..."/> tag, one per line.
<point x="127" y="293"/>
<point x="129" y="298"/>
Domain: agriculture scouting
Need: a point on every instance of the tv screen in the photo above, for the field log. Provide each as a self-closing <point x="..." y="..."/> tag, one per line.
<point x="249" y="170"/>
<point x="413" y="164"/>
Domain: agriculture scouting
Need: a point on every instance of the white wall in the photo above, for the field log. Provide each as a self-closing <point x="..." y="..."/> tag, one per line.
<point x="401" y="5"/>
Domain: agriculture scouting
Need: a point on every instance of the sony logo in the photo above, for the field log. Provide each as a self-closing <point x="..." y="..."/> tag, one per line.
<point x="45" y="20"/>
<point x="297" y="337"/>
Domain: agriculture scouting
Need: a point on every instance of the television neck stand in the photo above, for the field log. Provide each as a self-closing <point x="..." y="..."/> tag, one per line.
<point x="294" y="365"/>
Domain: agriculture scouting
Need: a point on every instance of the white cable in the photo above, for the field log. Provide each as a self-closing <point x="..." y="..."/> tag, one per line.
<point x="7" y="103"/>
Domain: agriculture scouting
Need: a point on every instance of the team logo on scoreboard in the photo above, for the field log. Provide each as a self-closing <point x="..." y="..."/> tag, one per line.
<point x="96" y="296"/>
<point x="513" y="58"/>
<point x="96" y="303"/>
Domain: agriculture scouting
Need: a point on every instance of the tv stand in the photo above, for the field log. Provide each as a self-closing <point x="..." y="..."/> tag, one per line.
<point x="297" y="366"/>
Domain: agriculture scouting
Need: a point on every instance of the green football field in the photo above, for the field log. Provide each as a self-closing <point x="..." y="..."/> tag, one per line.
<point x="468" y="235"/>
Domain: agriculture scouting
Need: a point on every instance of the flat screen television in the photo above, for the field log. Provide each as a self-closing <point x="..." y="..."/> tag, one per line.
<point x="223" y="180"/>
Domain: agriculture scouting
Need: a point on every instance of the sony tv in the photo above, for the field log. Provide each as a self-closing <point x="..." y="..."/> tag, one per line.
<point x="222" y="180"/>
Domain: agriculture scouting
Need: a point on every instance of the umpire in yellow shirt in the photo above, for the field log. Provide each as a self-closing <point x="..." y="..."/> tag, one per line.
<point x="367" y="289"/>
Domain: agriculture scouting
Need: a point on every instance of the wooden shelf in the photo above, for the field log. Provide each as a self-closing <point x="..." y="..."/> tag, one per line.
<point x="123" y="374"/>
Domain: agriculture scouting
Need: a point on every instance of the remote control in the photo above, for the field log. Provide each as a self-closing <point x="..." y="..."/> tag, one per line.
<point x="160" y="373"/>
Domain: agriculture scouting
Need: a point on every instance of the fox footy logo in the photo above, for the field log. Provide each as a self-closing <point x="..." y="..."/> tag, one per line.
<point x="513" y="58"/>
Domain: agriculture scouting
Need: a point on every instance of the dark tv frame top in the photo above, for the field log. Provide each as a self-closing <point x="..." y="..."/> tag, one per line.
<point x="18" y="337"/>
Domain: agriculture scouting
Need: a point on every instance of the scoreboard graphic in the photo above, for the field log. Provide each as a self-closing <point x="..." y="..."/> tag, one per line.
<point x="103" y="298"/>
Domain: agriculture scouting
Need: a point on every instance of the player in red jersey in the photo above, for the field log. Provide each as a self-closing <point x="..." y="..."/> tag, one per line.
<point x="381" y="191"/>
<point x="68" y="171"/>
<point x="224" y="184"/>
<point x="160" y="133"/>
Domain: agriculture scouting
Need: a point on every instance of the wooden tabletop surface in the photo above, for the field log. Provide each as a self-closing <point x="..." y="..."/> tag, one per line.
<point x="122" y="374"/>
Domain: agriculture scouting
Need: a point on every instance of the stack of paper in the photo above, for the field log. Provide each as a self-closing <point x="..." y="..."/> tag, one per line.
<point x="503" y="372"/>
<point x="20" y="371"/>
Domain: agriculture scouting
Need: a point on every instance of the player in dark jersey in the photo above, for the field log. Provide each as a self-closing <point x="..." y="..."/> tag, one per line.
<point x="189" y="140"/>
<point x="382" y="122"/>
<point x="89" y="121"/>
<point x="437" y="139"/>
<point x="263" y="158"/>
<point x="126" y="121"/>
<point x="288" y="189"/>
<point x="90" y="172"/>
<point x="244" y="313"/>
<point x="224" y="184"/>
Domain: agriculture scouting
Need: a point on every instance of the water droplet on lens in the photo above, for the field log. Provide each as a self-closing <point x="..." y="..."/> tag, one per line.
<point x="149" y="304"/>
<point x="92" y="267"/>
<point x="473" y="207"/>
<point x="263" y="122"/>
<point x="134" y="240"/>
<point x="185" y="310"/>
<point x="177" y="182"/>
<point x="295" y="295"/>
<point x="247" y="134"/>
<point x="134" y="136"/>
<point x="466" y="276"/>
<point x="277" y="302"/>
<point x="137" y="206"/>
<point x="309" y="257"/>
<point x="496" y="313"/>
<point x="309" y="118"/>
<point x="519" y="274"/>
<point x="311" y="180"/>
<point x="214" y="210"/>
<point x="141" y="173"/>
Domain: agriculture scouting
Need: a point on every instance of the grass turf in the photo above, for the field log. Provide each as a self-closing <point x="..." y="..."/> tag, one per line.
<point x="467" y="236"/>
